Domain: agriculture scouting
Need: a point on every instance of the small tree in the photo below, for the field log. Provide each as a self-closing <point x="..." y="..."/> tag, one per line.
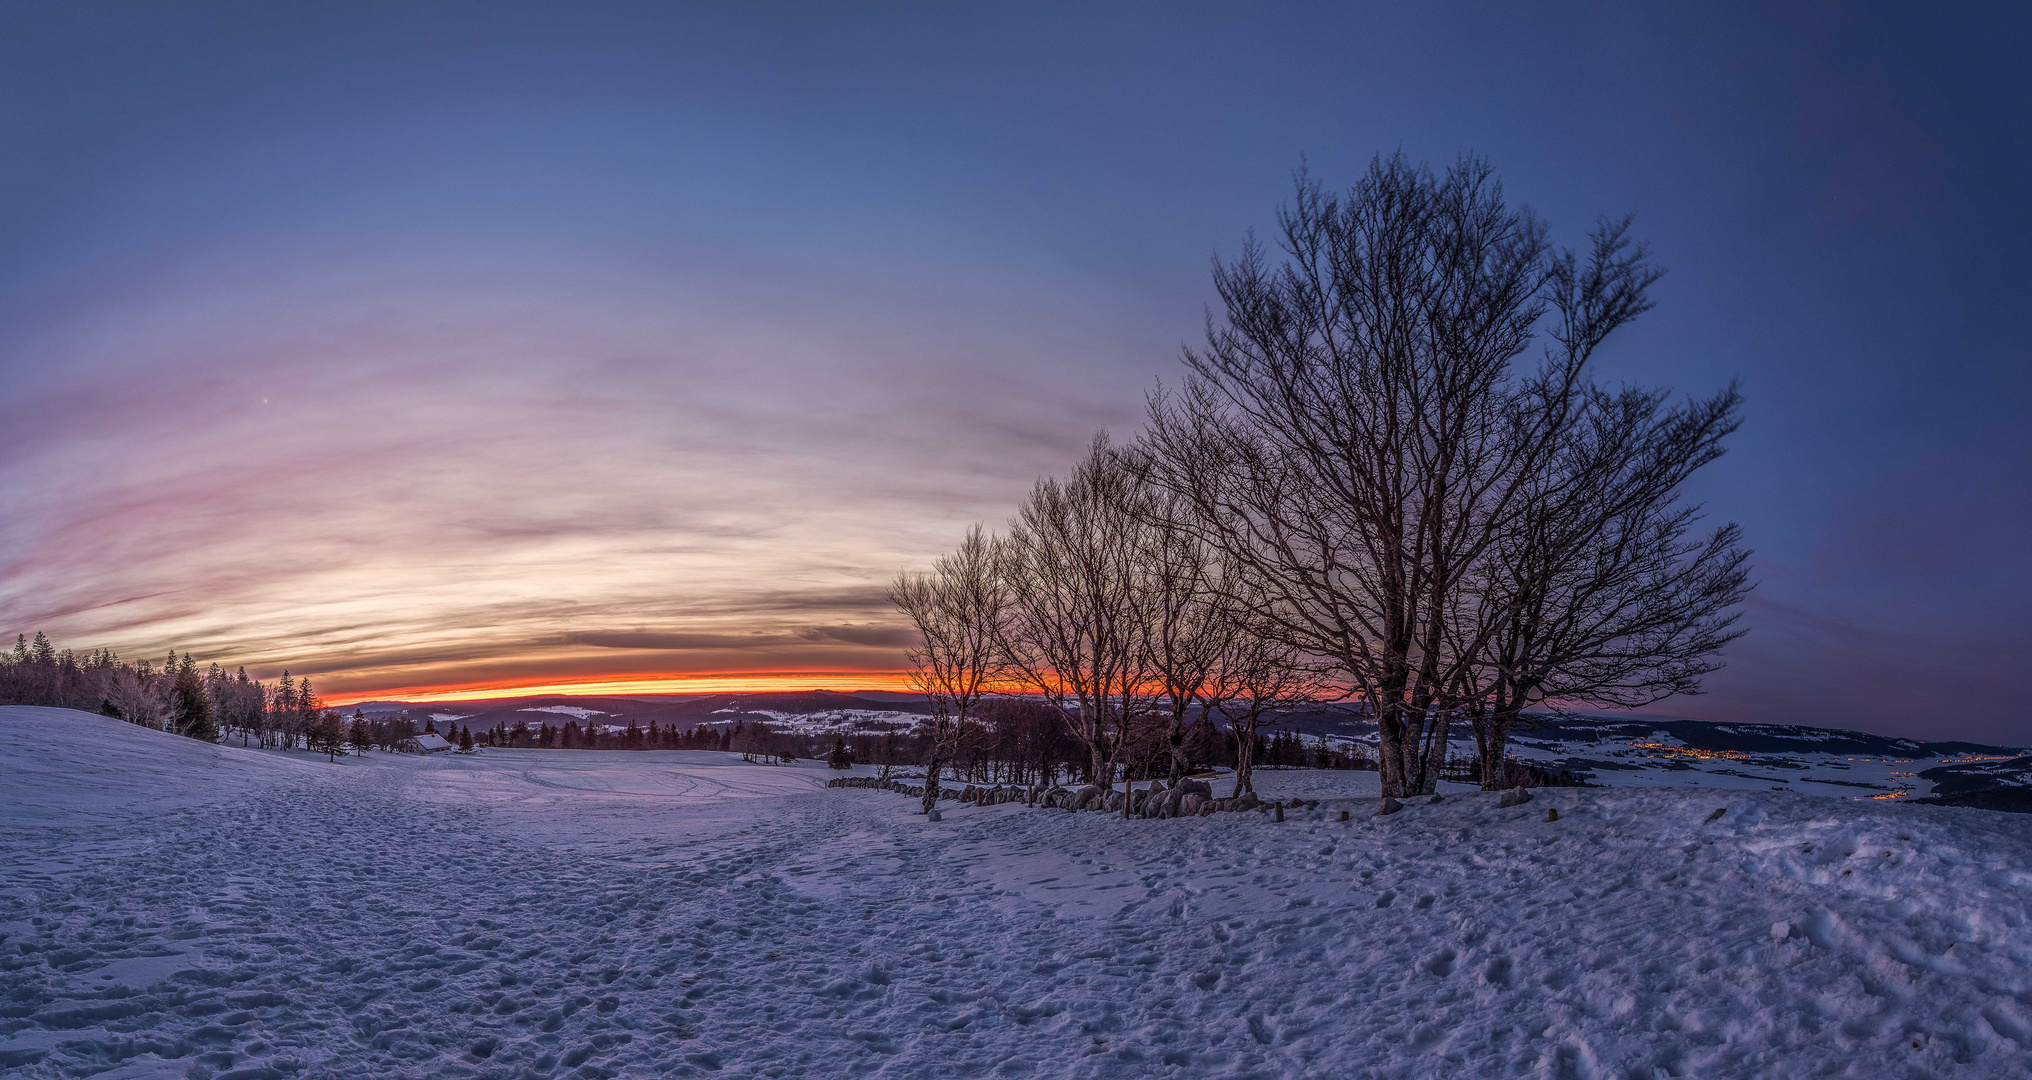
<point x="1257" y="675"/>
<point x="466" y="739"/>
<point x="136" y="697"/>
<point x="841" y="757"/>
<point x="361" y="734"/>
<point x="958" y="609"/>
<point x="327" y="735"/>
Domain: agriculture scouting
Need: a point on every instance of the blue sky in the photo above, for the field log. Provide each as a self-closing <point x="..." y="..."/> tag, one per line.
<point x="445" y="345"/>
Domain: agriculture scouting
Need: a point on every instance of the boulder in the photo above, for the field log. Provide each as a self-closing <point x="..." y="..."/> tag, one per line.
<point x="1516" y="796"/>
<point x="1390" y="806"/>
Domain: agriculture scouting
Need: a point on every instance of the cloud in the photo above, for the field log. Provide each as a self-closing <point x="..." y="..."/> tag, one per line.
<point x="681" y="642"/>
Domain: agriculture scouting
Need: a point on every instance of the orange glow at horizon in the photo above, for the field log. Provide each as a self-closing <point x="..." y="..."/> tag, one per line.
<point x="713" y="683"/>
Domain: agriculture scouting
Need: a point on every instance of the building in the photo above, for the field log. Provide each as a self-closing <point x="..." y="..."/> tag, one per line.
<point x="430" y="742"/>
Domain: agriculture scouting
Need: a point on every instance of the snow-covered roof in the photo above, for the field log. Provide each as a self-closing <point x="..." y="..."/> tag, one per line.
<point x="430" y="742"/>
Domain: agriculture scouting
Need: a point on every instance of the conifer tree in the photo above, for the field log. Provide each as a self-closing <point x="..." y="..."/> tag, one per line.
<point x="190" y="706"/>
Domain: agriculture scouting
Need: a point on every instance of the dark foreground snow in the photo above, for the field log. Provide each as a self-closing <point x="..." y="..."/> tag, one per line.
<point x="172" y="909"/>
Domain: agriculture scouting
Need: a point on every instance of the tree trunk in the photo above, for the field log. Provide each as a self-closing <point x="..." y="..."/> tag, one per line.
<point x="931" y="780"/>
<point x="1245" y="760"/>
<point x="1438" y="723"/>
<point x="1393" y="733"/>
<point x="1495" y="748"/>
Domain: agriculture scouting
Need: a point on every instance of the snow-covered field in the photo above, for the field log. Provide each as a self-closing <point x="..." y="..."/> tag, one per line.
<point x="174" y="909"/>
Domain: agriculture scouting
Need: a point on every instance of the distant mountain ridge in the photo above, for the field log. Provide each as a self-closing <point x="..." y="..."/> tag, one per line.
<point x="666" y="710"/>
<point x="1545" y="730"/>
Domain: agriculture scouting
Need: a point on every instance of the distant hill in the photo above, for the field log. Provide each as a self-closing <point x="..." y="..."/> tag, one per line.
<point x="672" y="710"/>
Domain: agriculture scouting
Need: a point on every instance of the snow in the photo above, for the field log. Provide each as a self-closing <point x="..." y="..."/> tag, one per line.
<point x="579" y="711"/>
<point x="174" y="909"/>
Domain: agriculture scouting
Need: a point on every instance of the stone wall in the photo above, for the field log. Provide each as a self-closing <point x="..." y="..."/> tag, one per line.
<point x="1189" y="798"/>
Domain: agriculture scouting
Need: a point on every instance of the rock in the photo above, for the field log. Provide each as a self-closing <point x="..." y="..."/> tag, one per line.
<point x="1189" y="804"/>
<point x="1516" y="796"/>
<point x="1717" y="815"/>
<point x="1435" y="800"/>
<point x="932" y="814"/>
<point x="1390" y="806"/>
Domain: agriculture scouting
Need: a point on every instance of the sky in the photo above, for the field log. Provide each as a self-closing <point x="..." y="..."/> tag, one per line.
<point x="432" y="348"/>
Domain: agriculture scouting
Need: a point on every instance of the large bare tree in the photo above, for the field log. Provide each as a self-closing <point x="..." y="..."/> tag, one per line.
<point x="1355" y="438"/>
<point x="958" y="608"/>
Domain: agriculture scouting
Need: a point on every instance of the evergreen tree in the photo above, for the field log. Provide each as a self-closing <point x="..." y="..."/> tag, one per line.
<point x="190" y="707"/>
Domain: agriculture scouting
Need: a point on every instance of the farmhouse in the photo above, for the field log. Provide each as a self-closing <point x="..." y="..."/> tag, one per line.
<point x="430" y="742"/>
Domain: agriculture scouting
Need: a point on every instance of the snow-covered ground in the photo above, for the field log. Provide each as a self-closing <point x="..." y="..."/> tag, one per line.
<point x="173" y="909"/>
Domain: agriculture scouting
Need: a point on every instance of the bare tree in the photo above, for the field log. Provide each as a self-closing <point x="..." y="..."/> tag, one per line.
<point x="1081" y="604"/>
<point x="1192" y="627"/>
<point x="1598" y="595"/>
<point x="138" y="697"/>
<point x="1353" y="437"/>
<point x="1256" y="675"/>
<point x="958" y="608"/>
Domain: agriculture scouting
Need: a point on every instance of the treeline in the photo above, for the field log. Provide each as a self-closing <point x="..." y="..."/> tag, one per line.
<point x="1359" y="492"/>
<point x="571" y="735"/>
<point x="179" y="697"/>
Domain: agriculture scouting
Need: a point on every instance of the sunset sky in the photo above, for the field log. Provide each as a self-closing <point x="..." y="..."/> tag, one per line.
<point x="434" y="347"/>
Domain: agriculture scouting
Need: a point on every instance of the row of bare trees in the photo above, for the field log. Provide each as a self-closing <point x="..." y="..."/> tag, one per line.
<point x="1366" y="486"/>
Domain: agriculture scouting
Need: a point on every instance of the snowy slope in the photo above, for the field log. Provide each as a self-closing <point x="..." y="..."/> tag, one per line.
<point x="61" y="763"/>
<point x="574" y="914"/>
